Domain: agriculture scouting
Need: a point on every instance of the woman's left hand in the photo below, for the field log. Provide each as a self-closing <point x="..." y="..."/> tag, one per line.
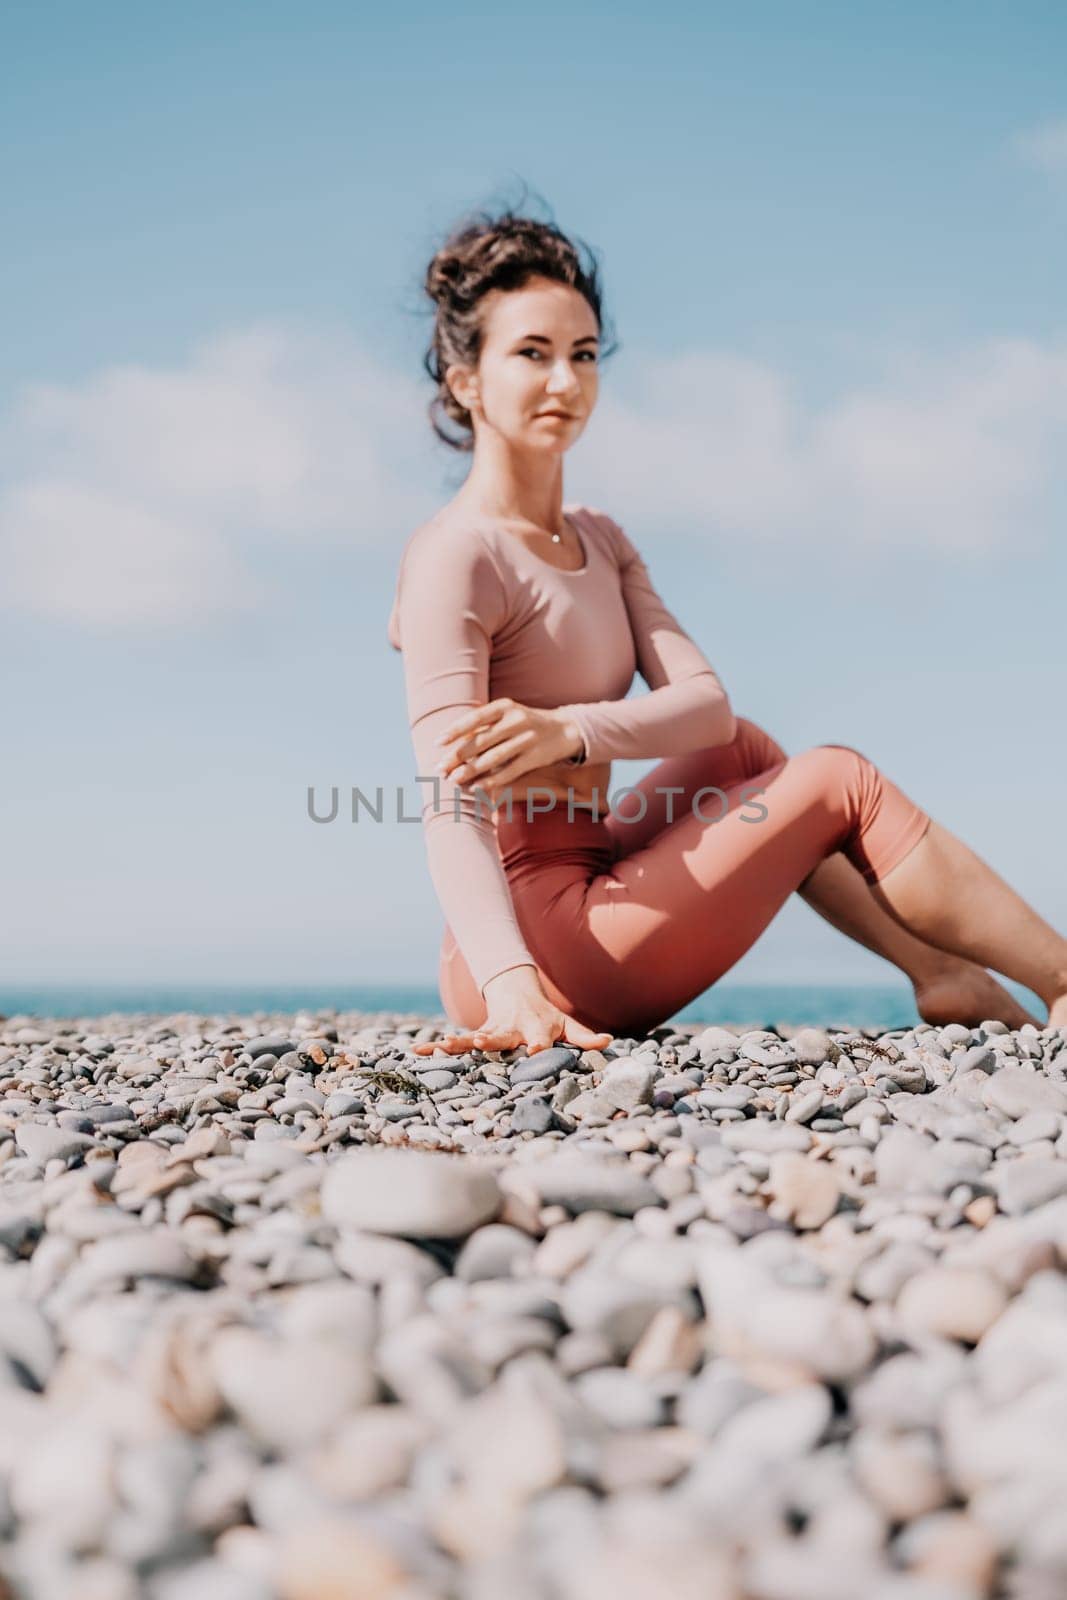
<point x="492" y="745"/>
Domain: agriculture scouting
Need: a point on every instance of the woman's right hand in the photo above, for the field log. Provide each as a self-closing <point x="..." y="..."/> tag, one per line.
<point x="519" y="1013"/>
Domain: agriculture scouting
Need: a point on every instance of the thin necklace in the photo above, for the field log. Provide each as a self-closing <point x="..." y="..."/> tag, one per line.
<point x="557" y="538"/>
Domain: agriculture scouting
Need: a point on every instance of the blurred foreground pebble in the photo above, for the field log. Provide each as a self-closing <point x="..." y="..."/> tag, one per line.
<point x="288" y="1312"/>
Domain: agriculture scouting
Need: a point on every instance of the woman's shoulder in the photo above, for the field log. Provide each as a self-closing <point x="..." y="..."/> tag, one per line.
<point x="600" y="522"/>
<point x="461" y="537"/>
<point x="448" y="554"/>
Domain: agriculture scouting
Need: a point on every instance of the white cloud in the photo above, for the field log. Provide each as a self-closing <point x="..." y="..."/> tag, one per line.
<point x="74" y="552"/>
<point x="138" y="495"/>
<point x="947" y="455"/>
<point x="153" y="496"/>
<point x="1044" y="146"/>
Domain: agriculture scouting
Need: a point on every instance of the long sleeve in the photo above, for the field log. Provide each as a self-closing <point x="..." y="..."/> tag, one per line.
<point x="450" y="601"/>
<point x="687" y="707"/>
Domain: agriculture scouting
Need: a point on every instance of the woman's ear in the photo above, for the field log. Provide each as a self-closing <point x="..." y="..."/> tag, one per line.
<point x="463" y="384"/>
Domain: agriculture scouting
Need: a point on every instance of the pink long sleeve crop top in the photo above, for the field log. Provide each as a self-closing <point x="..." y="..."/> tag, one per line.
<point x="479" y="616"/>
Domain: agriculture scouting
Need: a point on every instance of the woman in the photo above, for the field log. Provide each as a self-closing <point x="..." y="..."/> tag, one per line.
<point x="522" y="621"/>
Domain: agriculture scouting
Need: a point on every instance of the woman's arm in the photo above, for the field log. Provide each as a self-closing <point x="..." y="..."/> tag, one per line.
<point x="464" y="861"/>
<point x="687" y="707"/>
<point x="450" y="601"/>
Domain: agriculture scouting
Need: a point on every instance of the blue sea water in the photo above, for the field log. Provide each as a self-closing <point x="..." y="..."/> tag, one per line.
<point x="759" y="1005"/>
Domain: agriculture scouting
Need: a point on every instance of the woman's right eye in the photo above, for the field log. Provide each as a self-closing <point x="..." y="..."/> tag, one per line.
<point x="529" y="351"/>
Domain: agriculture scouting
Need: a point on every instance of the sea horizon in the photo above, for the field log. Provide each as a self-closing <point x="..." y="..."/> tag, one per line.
<point x="885" y="1005"/>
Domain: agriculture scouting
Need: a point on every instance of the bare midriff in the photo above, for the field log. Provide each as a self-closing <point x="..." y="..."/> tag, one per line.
<point x="585" y="787"/>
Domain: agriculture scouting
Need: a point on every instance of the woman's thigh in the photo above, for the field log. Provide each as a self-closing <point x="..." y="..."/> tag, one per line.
<point x="670" y="918"/>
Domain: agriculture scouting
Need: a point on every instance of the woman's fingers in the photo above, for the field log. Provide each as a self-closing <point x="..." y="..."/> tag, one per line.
<point x="456" y="1044"/>
<point x="578" y="1033"/>
<point x="473" y="739"/>
<point x="512" y="1038"/>
<point x="534" y="1045"/>
<point x="452" y="1044"/>
<point x="543" y="1037"/>
<point x="491" y="762"/>
<point x="499" y="1039"/>
<point x="476" y="718"/>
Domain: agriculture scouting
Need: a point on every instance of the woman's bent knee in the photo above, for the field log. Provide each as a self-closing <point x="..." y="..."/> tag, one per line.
<point x="849" y="747"/>
<point x="847" y="764"/>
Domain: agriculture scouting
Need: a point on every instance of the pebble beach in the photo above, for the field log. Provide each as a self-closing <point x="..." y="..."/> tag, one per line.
<point x="289" y="1312"/>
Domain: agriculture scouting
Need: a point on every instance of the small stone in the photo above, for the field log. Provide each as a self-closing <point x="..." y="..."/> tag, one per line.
<point x="581" y="1352"/>
<point x="620" y="1398"/>
<point x="421" y="1194"/>
<point x="980" y="1211"/>
<point x="979" y="1058"/>
<point x="627" y="1084"/>
<point x="951" y="1548"/>
<point x="805" y="1106"/>
<point x="901" y="1473"/>
<point x="1035" y="1125"/>
<point x="767" y="1137"/>
<point x="377" y="1261"/>
<point x="543" y="1065"/>
<point x="734" y="1098"/>
<point x="811" y="1046"/>
<point x="371" y="1452"/>
<point x="716" y="1043"/>
<point x="1016" y="1090"/>
<point x="802" y="1191"/>
<point x="289" y="1393"/>
<point x="778" y="1428"/>
<point x="644" y="1458"/>
<point x="274" y="1046"/>
<point x="900" y="1159"/>
<point x="149" y="1253"/>
<point x="316" y="1557"/>
<point x="48" y="1141"/>
<point x="953" y="1302"/>
<point x="670" y="1343"/>
<point x="1028" y="1182"/>
<point x="616" y="1310"/>
<point x="590" y="1183"/>
<point x="531" y="1114"/>
<point x="493" y="1252"/>
<point x="438" y="1078"/>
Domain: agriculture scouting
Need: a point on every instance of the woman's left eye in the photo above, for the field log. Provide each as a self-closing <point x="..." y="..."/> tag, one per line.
<point x="583" y="355"/>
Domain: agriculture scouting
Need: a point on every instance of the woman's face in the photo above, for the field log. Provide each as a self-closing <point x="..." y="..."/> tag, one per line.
<point x="536" y="382"/>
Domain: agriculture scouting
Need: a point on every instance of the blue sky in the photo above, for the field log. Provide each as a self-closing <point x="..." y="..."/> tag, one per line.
<point x="833" y="244"/>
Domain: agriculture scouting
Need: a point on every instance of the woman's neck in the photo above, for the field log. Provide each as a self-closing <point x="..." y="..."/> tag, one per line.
<point x="506" y="491"/>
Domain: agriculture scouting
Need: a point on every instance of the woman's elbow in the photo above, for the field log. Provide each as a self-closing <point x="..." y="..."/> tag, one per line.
<point x="723" y="720"/>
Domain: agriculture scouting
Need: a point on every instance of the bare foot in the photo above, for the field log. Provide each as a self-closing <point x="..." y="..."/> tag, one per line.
<point x="1057" y="1013"/>
<point x="969" y="994"/>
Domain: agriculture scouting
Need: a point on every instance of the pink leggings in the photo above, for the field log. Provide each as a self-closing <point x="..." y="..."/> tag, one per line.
<point x="630" y="921"/>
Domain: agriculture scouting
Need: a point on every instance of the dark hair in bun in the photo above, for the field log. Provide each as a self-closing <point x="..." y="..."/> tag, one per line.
<point x="484" y="252"/>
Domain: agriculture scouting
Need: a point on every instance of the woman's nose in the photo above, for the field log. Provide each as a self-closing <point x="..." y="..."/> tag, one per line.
<point x="562" y="378"/>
